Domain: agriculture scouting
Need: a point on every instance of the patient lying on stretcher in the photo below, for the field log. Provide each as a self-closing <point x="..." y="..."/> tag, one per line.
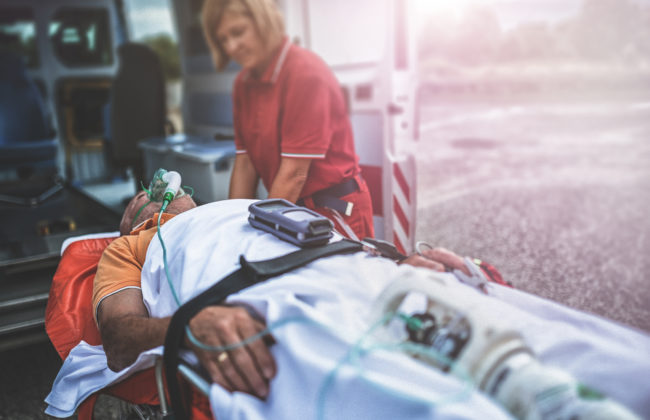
<point x="127" y="329"/>
<point x="318" y="315"/>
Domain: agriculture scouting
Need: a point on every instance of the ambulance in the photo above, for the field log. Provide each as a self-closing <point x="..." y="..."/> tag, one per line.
<point x="82" y="115"/>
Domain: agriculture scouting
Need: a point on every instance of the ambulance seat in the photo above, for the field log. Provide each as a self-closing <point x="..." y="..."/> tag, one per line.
<point x="137" y="108"/>
<point x="27" y="143"/>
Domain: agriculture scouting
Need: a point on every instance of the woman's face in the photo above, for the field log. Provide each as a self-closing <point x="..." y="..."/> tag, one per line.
<point x="239" y="39"/>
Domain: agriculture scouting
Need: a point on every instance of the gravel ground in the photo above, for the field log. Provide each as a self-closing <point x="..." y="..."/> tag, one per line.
<point x="557" y="197"/>
<point x="27" y="376"/>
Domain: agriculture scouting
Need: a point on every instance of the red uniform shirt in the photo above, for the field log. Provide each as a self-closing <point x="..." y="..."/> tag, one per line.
<point x="296" y="109"/>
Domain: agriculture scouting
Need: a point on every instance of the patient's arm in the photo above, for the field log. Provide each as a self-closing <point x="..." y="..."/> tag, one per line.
<point x="127" y="330"/>
<point x="437" y="259"/>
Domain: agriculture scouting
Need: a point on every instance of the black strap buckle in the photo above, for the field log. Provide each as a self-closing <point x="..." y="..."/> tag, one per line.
<point x="385" y="248"/>
<point x="329" y="197"/>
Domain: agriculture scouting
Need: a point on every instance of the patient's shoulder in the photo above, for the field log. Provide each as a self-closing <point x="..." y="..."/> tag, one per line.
<point x="121" y="249"/>
<point x="151" y="222"/>
<point x="131" y="247"/>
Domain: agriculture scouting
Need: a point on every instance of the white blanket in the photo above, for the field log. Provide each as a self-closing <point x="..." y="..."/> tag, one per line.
<point x="328" y="304"/>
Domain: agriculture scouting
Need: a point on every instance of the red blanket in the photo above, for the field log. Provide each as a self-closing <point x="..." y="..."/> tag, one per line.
<point x="69" y="319"/>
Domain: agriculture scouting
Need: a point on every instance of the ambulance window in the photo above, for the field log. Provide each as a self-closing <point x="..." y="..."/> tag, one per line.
<point x="81" y="37"/>
<point x="18" y="34"/>
<point x="360" y="40"/>
<point x="194" y="39"/>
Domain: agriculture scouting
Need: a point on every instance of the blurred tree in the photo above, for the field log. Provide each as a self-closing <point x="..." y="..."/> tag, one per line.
<point x="602" y="45"/>
<point x="532" y="42"/>
<point x="605" y="28"/>
<point x="436" y="36"/>
<point x="642" y="36"/>
<point x="167" y="50"/>
<point x="478" y="36"/>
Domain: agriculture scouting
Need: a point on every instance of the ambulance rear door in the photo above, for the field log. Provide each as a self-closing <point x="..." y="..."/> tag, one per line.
<point x="70" y="49"/>
<point x="207" y="155"/>
<point x="370" y="46"/>
<point x="207" y="93"/>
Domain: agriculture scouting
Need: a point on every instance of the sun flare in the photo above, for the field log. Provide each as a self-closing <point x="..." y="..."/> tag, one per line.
<point x="452" y="7"/>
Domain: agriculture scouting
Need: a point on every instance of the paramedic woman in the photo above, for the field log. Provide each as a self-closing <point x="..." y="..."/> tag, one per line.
<point x="290" y="118"/>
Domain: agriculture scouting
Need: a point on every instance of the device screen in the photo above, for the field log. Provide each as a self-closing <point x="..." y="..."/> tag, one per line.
<point x="278" y="205"/>
<point x="299" y="215"/>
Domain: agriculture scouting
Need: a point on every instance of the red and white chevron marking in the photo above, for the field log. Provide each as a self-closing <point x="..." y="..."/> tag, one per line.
<point x="403" y="204"/>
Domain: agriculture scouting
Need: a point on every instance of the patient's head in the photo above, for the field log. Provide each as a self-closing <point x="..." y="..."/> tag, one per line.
<point x="177" y="206"/>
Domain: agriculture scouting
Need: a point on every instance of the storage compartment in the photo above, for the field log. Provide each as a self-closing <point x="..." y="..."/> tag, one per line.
<point x="82" y="104"/>
<point x="204" y="164"/>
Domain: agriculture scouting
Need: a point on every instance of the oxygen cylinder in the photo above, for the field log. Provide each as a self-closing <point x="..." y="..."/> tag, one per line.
<point x="532" y="391"/>
<point x="464" y="332"/>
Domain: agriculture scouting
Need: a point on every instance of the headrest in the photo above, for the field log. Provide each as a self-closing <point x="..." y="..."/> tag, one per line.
<point x="135" y="55"/>
<point x="12" y="67"/>
<point x="22" y="112"/>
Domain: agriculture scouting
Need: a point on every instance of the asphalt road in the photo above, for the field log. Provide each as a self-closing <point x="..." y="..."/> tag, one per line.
<point x="556" y="196"/>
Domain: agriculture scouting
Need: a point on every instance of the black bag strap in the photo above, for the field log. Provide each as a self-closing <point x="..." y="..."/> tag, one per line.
<point x="249" y="274"/>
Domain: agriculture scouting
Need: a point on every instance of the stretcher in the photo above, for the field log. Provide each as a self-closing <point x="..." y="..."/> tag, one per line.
<point x="79" y="274"/>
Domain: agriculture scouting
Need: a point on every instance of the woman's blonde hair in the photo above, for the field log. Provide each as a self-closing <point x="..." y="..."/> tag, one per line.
<point x="265" y="15"/>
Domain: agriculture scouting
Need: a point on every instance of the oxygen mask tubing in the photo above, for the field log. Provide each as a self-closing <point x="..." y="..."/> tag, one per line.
<point x="164" y="187"/>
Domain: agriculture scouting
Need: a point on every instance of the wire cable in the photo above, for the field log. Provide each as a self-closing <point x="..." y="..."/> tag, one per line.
<point x="351" y="358"/>
<point x="162" y="243"/>
<point x="358" y="350"/>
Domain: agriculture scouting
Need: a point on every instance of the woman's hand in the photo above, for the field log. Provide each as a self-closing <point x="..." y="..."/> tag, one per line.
<point x="244" y="178"/>
<point x="290" y="179"/>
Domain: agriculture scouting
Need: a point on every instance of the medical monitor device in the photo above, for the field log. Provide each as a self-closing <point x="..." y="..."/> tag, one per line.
<point x="297" y="225"/>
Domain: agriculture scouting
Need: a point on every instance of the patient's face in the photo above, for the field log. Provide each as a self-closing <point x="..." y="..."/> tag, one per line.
<point x="177" y="206"/>
<point x="131" y="210"/>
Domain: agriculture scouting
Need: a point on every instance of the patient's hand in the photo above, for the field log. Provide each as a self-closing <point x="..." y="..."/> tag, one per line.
<point x="247" y="368"/>
<point x="437" y="259"/>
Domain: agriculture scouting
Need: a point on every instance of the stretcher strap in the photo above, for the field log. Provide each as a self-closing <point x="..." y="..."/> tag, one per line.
<point x="249" y="274"/>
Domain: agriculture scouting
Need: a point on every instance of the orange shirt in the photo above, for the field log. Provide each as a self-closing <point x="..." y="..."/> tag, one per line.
<point x="121" y="263"/>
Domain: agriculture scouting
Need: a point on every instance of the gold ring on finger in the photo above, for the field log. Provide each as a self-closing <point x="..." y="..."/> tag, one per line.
<point x="222" y="356"/>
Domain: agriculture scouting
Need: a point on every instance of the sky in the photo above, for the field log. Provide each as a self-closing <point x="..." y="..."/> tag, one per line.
<point x="513" y="12"/>
<point x="510" y="13"/>
<point x="149" y="17"/>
